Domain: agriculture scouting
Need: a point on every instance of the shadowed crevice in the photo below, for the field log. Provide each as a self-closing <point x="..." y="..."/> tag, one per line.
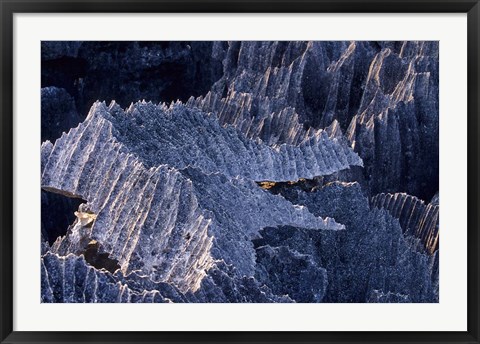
<point x="57" y="213"/>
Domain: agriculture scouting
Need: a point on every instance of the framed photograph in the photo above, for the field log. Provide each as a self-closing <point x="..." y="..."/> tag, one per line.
<point x="214" y="171"/>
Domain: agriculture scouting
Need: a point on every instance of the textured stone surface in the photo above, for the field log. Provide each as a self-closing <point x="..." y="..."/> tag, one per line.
<point x="416" y="218"/>
<point x="370" y="254"/>
<point x="286" y="172"/>
<point x="395" y="130"/>
<point x="172" y="224"/>
<point x="384" y="93"/>
<point x="288" y="272"/>
<point x="70" y="279"/>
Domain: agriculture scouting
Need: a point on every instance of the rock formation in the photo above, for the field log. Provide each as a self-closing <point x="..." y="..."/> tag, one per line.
<point x="371" y="255"/>
<point x="416" y="218"/>
<point x="160" y="203"/>
<point x="251" y="172"/>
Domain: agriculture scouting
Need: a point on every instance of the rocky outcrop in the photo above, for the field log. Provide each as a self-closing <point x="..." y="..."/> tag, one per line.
<point x="287" y="272"/>
<point x="369" y="257"/>
<point x="369" y="261"/>
<point x="385" y="94"/>
<point x="304" y="76"/>
<point x="181" y="137"/>
<point x="158" y="206"/>
<point x="416" y="218"/>
<point x="281" y="91"/>
<point x="395" y="130"/>
<point x="253" y="172"/>
<point x="70" y="279"/>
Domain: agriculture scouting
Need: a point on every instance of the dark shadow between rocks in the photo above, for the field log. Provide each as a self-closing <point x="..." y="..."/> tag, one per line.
<point x="57" y="213"/>
<point x="99" y="260"/>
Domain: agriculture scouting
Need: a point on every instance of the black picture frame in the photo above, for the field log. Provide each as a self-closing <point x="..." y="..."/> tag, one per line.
<point x="9" y="7"/>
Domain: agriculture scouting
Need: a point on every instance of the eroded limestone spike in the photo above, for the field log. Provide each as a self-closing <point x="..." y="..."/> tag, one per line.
<point x="416" y="218"/>
<point x="156" y="189"/>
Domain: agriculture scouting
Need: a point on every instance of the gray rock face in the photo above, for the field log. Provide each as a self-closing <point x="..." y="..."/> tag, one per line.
<point x="385" y="94"/>
<point x="280" y="92"/>
<point x="282" y="75"/>
<point x="183" y="137"/>
<point x="70" y="279"/>
<point x="271" y="89"/>
<point x="416" y="218"/>
<point x="395" y="130"/>
<point x="172" y="224"/>
<point x="290" y="273"/>
<point x="245" y="189"/>
<point x="371" y="255"/>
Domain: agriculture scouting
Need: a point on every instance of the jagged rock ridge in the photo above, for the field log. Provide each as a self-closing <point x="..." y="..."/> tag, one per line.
<point x="384" y="94"/>
<point x="170" y="224"/>
<point x="370" y="258"/>
<point x="275" y="116"/>
<point x="416" y="218"/>
<point x="186" y="137"/>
